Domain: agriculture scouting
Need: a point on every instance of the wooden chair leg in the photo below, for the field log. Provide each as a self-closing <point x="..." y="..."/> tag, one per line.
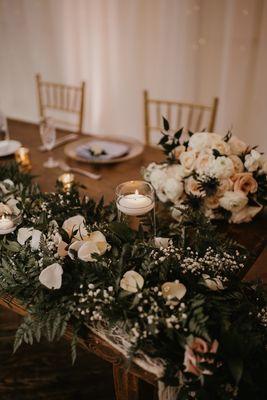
<point x="125" y="384"/>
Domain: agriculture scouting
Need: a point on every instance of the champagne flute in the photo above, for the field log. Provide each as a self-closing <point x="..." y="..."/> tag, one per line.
<point x="4" y="133"/>
<point x="48" y="136"/>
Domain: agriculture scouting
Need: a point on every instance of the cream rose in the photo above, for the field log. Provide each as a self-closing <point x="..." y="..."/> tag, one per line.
<point x="221" y="146"/>
<point x="245" y="215"/>
<point x="245" y="182"/>
<point x="187" y="160"/>
<point x="253" y="161"/>
<point x="195" y="355"/>
<point x="193" y="187"/>
<point x="203" y="163"/>
<point x="132" y="281"/>
<point x="233" y="201"/>
<point x="237" y="163"/>
<point x="237" y="146"/>
<point x="263" y="167"/>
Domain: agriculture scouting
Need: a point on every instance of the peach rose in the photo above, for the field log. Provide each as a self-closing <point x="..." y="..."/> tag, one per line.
<point x="245" y="215"/>
<point x="238" y="165"/>
<point x="195" y="355"/>
<point x="178" y="151"/>
<point x="245" y="182"/>
<point x="225" y="185"/>
<point x="193" y="187"/>
<point x="212" y="202"/>
<point x="237" y="146"/>
<point x="187" y="160"/>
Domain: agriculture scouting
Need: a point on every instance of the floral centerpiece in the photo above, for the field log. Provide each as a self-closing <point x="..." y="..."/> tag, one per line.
<point x="223" y="176"/>
<point x="176" y="301"/>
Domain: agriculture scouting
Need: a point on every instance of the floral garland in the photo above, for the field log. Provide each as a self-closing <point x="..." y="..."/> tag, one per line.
<point x="223" y="176"/>
<point x="178" y="298"/>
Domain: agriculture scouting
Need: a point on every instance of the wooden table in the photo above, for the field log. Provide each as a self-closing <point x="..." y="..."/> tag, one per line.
<point x="254" y="236"/>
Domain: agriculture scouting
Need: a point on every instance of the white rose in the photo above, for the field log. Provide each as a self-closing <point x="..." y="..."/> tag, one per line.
<point x="245" y="215"/>
<point x="221" y="167"/>
<point x="253" y="161"/>
<point x="203" y="163"/>
<point x="162" y="242"/>
<point x="233" y="201"/>
<point x="173" y="189"/>
<point x="157" y="177"/>
<point x="132" y="282"/>
<point x="173" y="291"/>
<point x="175" y="171"/>
<point x="193" y="187"/>
<point x="212" y="283"/>
<point x="221" y="146"/>
<point x="237" y="146"/>
<point x="147" y="171"/>
<point x="76" y="223"/>
<point x="51" y="276"/>
<point x="188" y="160"/>
<point x="203" y="140"/>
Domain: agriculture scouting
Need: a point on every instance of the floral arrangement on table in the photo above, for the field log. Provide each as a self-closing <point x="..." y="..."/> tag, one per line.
<point x="223" y="176"/>
<point x="177" y="299"/>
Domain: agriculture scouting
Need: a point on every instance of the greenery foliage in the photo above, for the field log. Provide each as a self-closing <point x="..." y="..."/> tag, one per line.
<point x="226" y="310"/>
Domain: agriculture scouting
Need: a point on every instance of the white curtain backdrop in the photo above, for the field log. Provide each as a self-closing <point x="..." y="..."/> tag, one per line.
<point x="189" y="50"/>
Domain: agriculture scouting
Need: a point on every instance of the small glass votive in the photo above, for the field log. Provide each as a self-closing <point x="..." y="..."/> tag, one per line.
<point x="22" y="157"/>
<point x="67" y="181"/>
<point x="135" y="201"/>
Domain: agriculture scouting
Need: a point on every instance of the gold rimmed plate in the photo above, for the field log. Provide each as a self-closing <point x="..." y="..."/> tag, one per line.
<point x="135" y="148"/>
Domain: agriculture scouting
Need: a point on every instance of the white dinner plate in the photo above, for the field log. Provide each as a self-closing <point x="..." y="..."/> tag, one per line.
<point x="134" y="149"/>
<point x="8" y="147"/>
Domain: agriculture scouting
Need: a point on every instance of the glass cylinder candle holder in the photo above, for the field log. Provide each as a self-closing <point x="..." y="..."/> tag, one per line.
<point x="135" y="202"/>
<point x="22" y="157"/>
<point x="67" y="181"/>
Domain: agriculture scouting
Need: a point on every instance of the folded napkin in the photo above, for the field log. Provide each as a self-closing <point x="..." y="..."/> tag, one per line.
<point x="102" y="150"/>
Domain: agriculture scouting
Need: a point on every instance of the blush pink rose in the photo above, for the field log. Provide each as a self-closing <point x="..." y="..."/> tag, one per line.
<point x="238" y="164"/>
<point x="225" y="185"/>
<point x="245" y="182"/>
<point x="195" y="355"/>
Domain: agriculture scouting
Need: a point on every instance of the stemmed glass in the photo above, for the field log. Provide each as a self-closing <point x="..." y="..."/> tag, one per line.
<point x="4" y="134"/>
<point x="48" y="136"/>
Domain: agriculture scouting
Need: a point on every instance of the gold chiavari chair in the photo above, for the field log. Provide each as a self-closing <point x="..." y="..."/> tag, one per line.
<point x="63" y="99"/>
<point x="193" y="117"/>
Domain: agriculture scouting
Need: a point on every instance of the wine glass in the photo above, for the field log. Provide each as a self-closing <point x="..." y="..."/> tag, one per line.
<point x="48" y="136"/>
<point x="4" y="134"/>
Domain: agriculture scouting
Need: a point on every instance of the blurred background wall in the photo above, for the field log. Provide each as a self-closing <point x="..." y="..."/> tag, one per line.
<point x="189" y="50"/>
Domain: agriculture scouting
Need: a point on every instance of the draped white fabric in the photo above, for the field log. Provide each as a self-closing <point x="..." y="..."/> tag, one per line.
<point x="178" y="49"/>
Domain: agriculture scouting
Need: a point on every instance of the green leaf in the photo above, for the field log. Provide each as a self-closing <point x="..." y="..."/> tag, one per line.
<point x="123" y="231"/>
<point x="236" y="366"/>
<point x="14" y="247"/>
<point x="165" y="124"/>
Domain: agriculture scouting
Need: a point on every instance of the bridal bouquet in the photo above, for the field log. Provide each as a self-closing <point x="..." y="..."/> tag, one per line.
<point x="223" y="176"/>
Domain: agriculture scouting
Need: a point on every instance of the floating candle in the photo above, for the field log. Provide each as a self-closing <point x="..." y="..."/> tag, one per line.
<point x="135" y="204"/>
